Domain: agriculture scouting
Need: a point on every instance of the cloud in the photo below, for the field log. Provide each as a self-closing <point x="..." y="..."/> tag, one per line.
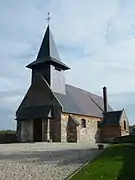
<point x="8" y="106"/>
<point x="96" y="39"/>
<point x="125" y="100"/>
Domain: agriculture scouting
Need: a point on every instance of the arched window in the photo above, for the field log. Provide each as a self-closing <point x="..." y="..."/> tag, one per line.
<point x="83" y="123"/>
<point x="124" y="124"/>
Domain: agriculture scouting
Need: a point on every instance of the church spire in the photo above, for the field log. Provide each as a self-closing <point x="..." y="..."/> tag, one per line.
<point x="49" y="65"/>
<point x="48" y="52"/>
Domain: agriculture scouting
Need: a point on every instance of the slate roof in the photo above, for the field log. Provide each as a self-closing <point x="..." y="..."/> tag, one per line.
<point x="111" y="118"/>
<point x="48" y="52"/>
<point x="79" y="101"/>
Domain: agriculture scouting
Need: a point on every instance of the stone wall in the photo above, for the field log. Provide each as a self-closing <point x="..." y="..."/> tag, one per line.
<point x="124" y="132"/>
<point x="87" y="134"/>
<point x="64" y="121"/>
<point x="27" y="131"/>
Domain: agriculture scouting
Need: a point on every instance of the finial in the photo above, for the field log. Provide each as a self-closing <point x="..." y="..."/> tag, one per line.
<point x="48" y="18"/>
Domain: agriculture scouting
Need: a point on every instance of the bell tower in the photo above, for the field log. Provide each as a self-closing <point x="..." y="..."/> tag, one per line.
<point x="49" y="64"/>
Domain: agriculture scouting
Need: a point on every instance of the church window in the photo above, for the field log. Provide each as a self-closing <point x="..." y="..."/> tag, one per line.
<point x="83" y="123"/>
<point x="124" y="125"/>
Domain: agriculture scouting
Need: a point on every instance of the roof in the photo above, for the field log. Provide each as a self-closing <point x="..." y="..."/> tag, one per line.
<point x="35" y="112"/>
<point x="75" y="101"/>
<point x="111" y="118"/>
<point x="75" y="120"/>
<point x="79" y="101"/>
<point x="39" y="101"/>
<point x="48" y="52"/>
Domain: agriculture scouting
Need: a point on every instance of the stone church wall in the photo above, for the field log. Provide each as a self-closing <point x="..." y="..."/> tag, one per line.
<point x="64" y="121"/>
<point x="124" y="132"/>
<point x="88" y="134"/>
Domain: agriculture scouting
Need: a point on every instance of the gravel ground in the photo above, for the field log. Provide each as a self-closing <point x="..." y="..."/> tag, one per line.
<point x="43" y="161"/>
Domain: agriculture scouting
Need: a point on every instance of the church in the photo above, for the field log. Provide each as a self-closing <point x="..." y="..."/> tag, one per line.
<point x="53" y="111"/>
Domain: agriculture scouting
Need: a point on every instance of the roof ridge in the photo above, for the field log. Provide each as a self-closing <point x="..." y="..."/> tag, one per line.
<point x="114" y="111"/>
<point x="86" y="91"/>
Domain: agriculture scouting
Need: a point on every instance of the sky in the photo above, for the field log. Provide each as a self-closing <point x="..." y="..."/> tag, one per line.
<point x="95" y="38"/>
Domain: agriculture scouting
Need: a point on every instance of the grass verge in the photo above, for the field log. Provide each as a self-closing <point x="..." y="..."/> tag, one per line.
<point x="117" y="162"/>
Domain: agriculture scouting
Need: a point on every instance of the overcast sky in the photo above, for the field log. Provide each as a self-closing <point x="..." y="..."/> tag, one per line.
<point x="95" y="38"/>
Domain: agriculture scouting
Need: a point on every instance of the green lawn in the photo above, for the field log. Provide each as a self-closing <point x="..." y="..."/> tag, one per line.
<point x="116" y="162"/>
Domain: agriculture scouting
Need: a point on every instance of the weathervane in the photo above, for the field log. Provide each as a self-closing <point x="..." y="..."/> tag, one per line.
<point x="48" y="18"/>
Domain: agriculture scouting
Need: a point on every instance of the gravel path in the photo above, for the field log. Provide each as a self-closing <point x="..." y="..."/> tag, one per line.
<point x="43" y="161"/>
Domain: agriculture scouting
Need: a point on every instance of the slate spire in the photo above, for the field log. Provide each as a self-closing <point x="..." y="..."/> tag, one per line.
<point x="48" y="53"/>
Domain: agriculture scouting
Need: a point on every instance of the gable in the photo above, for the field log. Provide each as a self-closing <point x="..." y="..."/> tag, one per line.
<point x="111" y="118"/>
<point x="115" y="118"/>
<point x="38" y="95"/>
<point x="124" y="118"/>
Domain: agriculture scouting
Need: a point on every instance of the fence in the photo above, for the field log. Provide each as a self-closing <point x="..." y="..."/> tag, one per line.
<point x="7" y="137"/>
<point x="125" y="139"/>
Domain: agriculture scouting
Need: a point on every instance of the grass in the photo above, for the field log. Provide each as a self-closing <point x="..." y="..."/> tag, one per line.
<point x="117" y="162"/>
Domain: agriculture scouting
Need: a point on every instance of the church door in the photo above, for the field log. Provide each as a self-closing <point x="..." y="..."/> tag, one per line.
<point x="37" y="130"/>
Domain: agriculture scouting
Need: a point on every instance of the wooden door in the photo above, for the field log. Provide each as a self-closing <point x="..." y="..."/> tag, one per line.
<point x="37" y="130"/>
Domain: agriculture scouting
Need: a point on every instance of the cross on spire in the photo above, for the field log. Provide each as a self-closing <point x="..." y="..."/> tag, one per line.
<point x="48" y="18"/>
